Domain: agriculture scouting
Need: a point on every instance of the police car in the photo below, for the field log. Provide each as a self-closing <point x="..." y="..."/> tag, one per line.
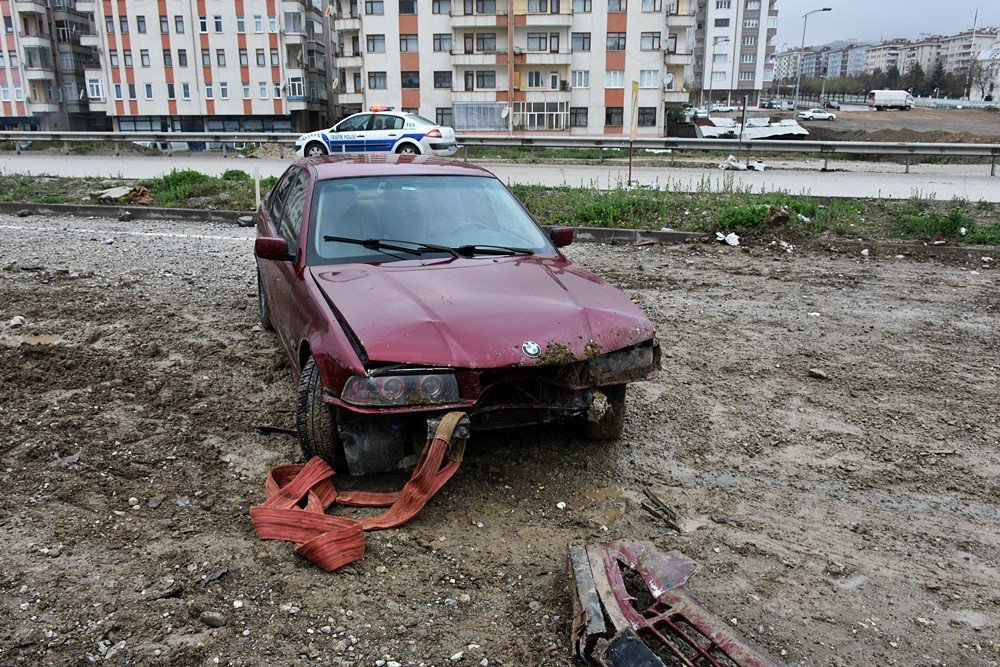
<point x="380" y="130"/>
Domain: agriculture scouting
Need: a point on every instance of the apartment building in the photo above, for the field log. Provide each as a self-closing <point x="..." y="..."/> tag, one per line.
<point x="196" y="65"/>
<point x="523" y="65"/>
<point x="42" y="63"/>
<point x="884" y="56"/>
<point x="958" y="51"/>
<point x="924" y="53"/>
<point x="734" y="48"/>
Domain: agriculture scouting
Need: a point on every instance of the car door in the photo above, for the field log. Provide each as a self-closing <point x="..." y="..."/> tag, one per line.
<point x="386" y="129"/>
<point x="270" y="275"/>
<point x="286" y="313"/>
<point x="350" y="134"/>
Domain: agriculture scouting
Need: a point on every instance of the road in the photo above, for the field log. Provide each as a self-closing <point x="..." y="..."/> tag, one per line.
<point x="939" y="181"/>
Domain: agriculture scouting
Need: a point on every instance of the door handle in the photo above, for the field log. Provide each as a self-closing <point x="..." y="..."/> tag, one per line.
<point x="393" y="135"/>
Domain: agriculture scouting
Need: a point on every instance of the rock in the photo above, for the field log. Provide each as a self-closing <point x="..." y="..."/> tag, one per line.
<point x="326" y="629"/>
<point x="212" y="620"/>
<point x="127" y="216"/>
<point x="561" y="505"/>
<point x="818" y="373"/>
<point x="238" y="604"/>
<point x="778" y="215"/>
<point x="401" y="630"/>
<point x="17" y="321"/>
<point x="109" y="241"/>
<point x="23" y="213"/>
<point x="457" y="656"/>
<point x="245" y="221"/>
<point x="865" y="252"/>
<point x="535" y="605"/>
<point x="112" y="194"/>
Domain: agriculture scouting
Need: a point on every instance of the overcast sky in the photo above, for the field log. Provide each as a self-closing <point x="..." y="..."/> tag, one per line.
<point x="878" y="19"/>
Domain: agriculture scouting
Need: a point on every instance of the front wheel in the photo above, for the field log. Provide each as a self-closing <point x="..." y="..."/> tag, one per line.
<point x="315" y="149"/>
<point x="407" y="149"/>
<point x="612" y="425"/>
<point x="316" y="420"/>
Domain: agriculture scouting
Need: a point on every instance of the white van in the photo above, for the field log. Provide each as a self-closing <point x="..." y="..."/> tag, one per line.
<point x="881" y="100"/>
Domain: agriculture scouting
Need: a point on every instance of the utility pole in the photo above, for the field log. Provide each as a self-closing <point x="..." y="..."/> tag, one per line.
<point x="798" y="77"/>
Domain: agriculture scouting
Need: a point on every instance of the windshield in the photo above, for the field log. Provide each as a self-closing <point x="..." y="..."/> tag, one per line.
<point x="450" y="211"/>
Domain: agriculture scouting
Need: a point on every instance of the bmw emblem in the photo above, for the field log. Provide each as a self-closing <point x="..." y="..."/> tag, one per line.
<point x="531" y="348"/>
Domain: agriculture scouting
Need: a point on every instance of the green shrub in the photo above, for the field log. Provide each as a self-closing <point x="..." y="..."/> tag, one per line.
<point x="933" y="224"/>
<point x="235" y="175"/>
<point x="746" y="216"/>
<point x="81" y="150"/>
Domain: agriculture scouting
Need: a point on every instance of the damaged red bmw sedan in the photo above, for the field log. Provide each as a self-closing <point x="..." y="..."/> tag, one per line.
<point x="405" y="287"/>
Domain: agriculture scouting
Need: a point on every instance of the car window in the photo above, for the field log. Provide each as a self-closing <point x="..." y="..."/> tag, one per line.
<point x="442" y="210"/>
<point x="386" y="122"/>
<point x="275" y="200"/>
<point x="357" y="123"/>
<point x="295" y="204"/>
<point x="420" y="119"/>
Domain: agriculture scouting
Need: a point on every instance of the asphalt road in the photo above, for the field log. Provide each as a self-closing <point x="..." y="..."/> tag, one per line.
<point x="941" y="181"/>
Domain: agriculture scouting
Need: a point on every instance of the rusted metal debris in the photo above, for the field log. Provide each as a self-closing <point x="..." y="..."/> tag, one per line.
<point x="632" y="608"/>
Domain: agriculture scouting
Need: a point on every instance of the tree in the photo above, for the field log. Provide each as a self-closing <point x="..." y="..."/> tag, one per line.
<point x="936" y="81"/>
<point x="915" y="79"/>
<point x="982" y="74"/>
<point x="892" y="77"/>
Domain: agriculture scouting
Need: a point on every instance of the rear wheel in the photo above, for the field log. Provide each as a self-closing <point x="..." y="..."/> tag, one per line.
<point x="315" y="149"/>
<point x="265" y="310"/>
<point x="611" y="426"/>
<point x="316" y="421"/>
<point x="407" y="149"/>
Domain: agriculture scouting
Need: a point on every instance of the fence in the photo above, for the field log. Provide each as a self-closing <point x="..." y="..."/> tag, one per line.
<point x="673" y="144"/>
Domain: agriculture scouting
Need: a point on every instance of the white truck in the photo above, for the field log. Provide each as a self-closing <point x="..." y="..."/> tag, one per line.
<point x="881" y="100"/>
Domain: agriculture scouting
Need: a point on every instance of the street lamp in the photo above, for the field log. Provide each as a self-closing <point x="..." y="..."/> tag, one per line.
<point x="798" y="76"/>
<point x="710" y="66"/>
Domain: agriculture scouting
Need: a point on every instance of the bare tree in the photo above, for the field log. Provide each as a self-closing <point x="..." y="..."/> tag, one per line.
<point x="983" y="73"/>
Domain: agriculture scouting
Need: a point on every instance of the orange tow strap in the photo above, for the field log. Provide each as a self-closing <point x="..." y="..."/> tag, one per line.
<point x="330" y="541"/>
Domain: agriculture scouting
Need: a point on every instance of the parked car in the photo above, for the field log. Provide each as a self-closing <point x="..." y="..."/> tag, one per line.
<point x="402" y="287"/>
<point x="832" y="104"/>
<point x="722" y="108"/>
<point x="767" y="104"/>
<point x="817" y="114"/>
<point x="380" y="130"/>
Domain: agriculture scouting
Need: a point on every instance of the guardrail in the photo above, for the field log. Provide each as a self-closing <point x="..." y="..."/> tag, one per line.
<point x="673" y="144"/>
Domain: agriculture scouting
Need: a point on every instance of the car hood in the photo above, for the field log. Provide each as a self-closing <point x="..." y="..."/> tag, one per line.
<point x="478" y="313"/>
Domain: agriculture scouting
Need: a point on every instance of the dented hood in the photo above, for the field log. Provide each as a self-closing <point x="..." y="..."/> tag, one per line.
<point x="477" y="313"/>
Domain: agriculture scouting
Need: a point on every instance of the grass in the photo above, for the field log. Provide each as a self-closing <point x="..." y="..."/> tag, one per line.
<point x="725" y="208"/>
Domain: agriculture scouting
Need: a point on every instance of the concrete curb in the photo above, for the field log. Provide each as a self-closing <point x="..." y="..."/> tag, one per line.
<point x="138" y="212"/>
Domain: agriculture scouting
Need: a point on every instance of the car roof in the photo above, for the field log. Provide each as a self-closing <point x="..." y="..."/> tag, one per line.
<point x="389" y="164"/>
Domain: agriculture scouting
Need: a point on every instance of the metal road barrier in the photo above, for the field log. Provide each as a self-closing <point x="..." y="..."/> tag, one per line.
<point x="227" y="140"/>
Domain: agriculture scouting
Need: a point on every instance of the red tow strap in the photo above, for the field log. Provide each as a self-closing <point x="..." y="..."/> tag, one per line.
<point x="330" y="541"/>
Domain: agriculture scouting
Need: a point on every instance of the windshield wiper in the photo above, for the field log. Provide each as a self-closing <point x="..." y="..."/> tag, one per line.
<point x="487" y="249"/>
<point x="394" y="244"/>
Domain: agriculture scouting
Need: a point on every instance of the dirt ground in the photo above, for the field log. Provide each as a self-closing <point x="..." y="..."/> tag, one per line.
<point x="851" y="520"/>
<point x="919" y="124"/>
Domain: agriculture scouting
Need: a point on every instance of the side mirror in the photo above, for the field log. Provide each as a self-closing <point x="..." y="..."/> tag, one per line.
<point x="272" y="248"/>
<point x="561" y="236"/>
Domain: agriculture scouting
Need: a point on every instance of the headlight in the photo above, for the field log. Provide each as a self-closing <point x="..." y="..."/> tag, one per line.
<point x="401" y="390"/>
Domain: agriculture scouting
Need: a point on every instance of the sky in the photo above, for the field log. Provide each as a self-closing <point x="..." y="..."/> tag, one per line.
<point x="879" y="19"/>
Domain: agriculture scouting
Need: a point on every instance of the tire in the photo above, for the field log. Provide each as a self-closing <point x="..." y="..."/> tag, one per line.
<point x="407" y="149"/>
<point x="613" y="423"/>
<point x="316" y="421"/>
<point x="265" y="310"/>
<point x="315" y="149"/>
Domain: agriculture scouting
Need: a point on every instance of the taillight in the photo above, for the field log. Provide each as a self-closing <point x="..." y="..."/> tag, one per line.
<point x="435" y="133"/>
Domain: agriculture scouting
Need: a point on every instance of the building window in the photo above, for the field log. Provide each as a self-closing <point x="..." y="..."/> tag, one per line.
<point x="442" y="41"/>
<point x="617" y="6"/>
<point x="140" y="26"/>
<point x="217" y="20"/>
<point x="746" y="76"/>
<point x="721" y="23"/>
<point x="720" y="57"/>
<point x="95" y="89"/>
<point x="649" y="78"/>
<point x="486" y="79"/>
<point x="224" y="90"/>
<point x="246" y="91"/>
<point x="441" y="7"/>
<point x="614" y="78"/>
<point x="407" y="6"/>
<point x="127" y="57"/>
<point x="486" y="42"/>
<point x="164" y="25"/>
<point x="8" y="24"/>
<point x="209" y="92"/>
<point x="749" y="58"/>
<point x="443" y="116"/>
<point x="408" y="43"/>
<point x="258" y="24"/>
<point x="241" y="25"/>
<point x="718" y="76"/>
<point x="168" y="58"/>
<point x="580" y="78"/>
<point x="647" y="117"/>
<point x="262" y="90"/>
<point x="112" y="59"/>
<point x="123" y="24"/>
<point x="220" y="57"/>
<point x="203" y="24"/>
<point x="244" y="60"/>
<point x="375" y="43"/>
<point x="378" y="81"/>
<point x="723" y="4"/>
<point x="442" y="79"/>
<point x="171" y="92"/>
<point x="261" y="58"/>
<point x="272" y="24"/>
<point x="578" y="116"/>
<point x="144" y="57"/>
<point x="179" y="27"/>
<point x="410" y="80"/>
<point x="580" y="41"/>
<point x="185" y="91"/>
<point x="649" y="41"/>
<point x="613" y="116"/>
<point x="374" y="7"/>
<point x="751" y="23"/>
<point x="616" y="41"/>
<point x="652" y="5"/>
<point x="535" y="78"/>
<point x="206" y="58"/>
<point x="753" y="4"/>
<point x="182" y="58"/>
<point x="275" y="58"/>
<point x="538" y="41"/>
<point x="109" y="25"/>
<point x="582" y="6"/>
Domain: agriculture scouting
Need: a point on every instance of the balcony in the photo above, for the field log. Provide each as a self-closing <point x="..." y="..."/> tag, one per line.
<point x="676" y="96"/>
<point x="86" y="6"/>
<point x="461" y="95"/>
<point x="548" y="19"/>
<point x="295" y="36"/>
<point x="678" y="58"/>
<point x="39" y="73"/>
<point x="476" y="57"/>
<point x="35" y="41"/>
<point x="348" y="60"/>
<point x="30" y="6"/>
<point x="681" y="19"/>
<point x="347" y="23"/>
<point x="459" y="19"/>
<point x="91" y="39"/>
<point x="43" y="106"/>
<point x="545" y="57"/>
<point x="351" y="98"/>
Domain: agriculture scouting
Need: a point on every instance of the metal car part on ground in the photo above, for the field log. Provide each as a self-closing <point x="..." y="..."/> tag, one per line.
<point x="632" y="608"/>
